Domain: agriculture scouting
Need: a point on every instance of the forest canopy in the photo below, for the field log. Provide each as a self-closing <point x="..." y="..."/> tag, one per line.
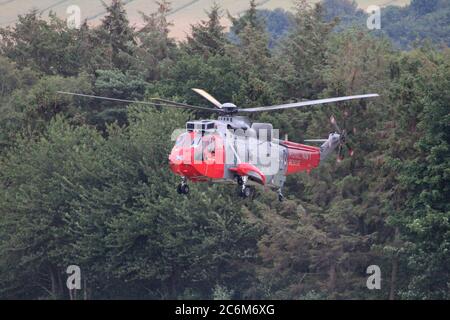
<point x="86" y="182"/>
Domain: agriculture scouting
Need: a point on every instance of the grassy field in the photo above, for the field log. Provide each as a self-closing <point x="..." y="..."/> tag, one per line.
<point x="184" y="13"/>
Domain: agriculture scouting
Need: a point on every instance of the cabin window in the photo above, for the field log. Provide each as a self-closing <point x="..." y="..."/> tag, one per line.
<point x="209" y="145"/>
<point x="196" y="141"/>
<point x="183" y="141"/>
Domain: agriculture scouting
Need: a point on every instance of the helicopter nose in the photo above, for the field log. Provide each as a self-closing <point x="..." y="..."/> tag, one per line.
<point x="180" y="163"/>
<point x="175" y="158"/>
<point x="178" y="157"/>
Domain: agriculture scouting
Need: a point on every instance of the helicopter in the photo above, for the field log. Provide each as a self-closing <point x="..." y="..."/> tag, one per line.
<point x="231" y="149"/>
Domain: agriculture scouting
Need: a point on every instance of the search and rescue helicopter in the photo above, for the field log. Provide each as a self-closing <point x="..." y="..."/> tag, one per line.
<point x="232" y="149"/>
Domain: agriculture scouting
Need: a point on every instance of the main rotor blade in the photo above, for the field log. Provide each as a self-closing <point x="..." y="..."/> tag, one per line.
<point x="165" y="103"/>
<point x="208" y="97"/>
<point x="182" y="105"/>
<point x="307" y="103"/>
<point x="315" y="140"/>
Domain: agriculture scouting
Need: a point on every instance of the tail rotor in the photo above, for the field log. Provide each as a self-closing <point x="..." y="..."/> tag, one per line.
<point x="344" y="145"/>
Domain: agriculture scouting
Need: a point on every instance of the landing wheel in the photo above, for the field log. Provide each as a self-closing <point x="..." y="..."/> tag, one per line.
<point x="246" y="192"/>
<point x="183" y="189"/>
<point x="280" y="196"/>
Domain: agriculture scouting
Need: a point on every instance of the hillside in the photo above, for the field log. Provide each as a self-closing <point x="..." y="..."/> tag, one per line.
<point x="184" y="12"/>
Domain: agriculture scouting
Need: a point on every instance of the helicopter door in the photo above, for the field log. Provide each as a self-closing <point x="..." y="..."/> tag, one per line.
<point x="213" y="156"/>
<point x="283" y="160"/>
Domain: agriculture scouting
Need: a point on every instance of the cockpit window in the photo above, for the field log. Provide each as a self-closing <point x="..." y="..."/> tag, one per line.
<point x="196" y="141"/>
<point x="205" y="147"/>
<point x="209" y="144"/>
<point x="182" y="141"/>
<point x="186" y="141"/>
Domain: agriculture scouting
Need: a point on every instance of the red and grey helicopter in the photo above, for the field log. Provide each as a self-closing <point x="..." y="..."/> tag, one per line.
<point x="232" y="149"/>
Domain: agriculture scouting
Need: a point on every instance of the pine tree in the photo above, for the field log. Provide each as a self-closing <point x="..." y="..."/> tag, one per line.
<point x="424" y="217"/>
<point x="208" y="37"/>
<point x="254" y="59"/>
<point x="156" y="48"/>
<point x="302" y="53"/>
<point x="36" y="216"/>
<point x="249" y="19"/>
<point x="45" y="45"/>
<point x="118" y="34"/>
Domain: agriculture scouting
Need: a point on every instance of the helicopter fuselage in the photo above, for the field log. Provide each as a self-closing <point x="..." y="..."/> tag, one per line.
<point x="233" y="149"/>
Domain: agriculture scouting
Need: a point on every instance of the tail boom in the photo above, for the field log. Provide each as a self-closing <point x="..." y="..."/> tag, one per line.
<point x="301" y="157"/>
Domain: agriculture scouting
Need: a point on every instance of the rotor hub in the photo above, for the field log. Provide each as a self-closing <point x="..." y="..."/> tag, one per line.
<point x="229" y="108"/>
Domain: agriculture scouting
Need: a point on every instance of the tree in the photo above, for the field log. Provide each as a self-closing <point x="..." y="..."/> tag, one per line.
<point x="156" y="48"/>
<point x="11" y="118"/>
<point x="249" y="19"/>
<point x="254" y="59"/>
<point x="218" y="75"/>
<point x="37" y="239"/>
<point x="118" y="34"/>
<point x="424" y="218"/>
<point x="302" y="53"/>
<point x="27" y="110"/>
<point x="46" y="46"/>
<point x="208" y="37"/>
<point x="119" y="85"/>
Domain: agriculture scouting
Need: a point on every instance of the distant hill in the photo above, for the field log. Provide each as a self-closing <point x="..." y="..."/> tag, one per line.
<point x="413" y="23"/>
<point x="184" y="13"/>
<point x="423" y="19"/>
<point x="405" y="26"/>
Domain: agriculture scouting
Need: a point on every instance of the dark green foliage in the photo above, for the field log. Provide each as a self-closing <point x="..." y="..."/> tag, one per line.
<point x="117" y="35"/>
<point x="218" y="74"/>
<point x="86" y="182"/>
<point x="424" y="179"/>
<point x="156" y="50"/>
<point x="208" y="37"/>
<point x="302" y="53"/>
<point x="46" y="46"/>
